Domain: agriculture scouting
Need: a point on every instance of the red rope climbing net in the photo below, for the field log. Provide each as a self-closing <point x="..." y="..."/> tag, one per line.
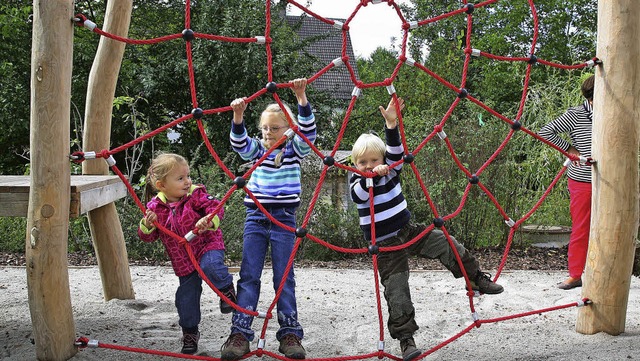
<point x="462" y="94"/>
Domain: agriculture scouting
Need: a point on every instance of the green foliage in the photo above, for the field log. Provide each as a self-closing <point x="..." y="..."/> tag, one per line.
<point x="146" y="98"/>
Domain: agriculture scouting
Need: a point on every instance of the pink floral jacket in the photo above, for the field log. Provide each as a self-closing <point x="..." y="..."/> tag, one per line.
<point x="181" y="217"/>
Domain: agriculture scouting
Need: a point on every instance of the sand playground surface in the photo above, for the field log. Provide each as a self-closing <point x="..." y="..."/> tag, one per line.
<point x="338" y="311"/>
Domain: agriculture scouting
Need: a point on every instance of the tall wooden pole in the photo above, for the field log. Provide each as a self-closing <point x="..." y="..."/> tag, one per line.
<point x="49" y="193"/>
<point x="616" y="138"/>
<point x="106" y="230"/>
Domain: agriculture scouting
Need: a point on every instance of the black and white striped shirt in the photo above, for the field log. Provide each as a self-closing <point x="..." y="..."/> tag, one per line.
<point x="390" y="207"/>
<point x="577" y="123"/>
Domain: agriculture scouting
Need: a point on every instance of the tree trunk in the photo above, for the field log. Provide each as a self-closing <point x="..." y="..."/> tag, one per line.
<point x="106" y="230"/>
<point x="616" y="137"/>
<point x="49" y="192"/>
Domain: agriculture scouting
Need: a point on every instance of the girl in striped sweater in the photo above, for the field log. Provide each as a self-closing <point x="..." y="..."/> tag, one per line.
<point x="275" y="183"/>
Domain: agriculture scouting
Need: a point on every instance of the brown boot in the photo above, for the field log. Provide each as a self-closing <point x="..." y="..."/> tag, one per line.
<point x="409" y="350"/>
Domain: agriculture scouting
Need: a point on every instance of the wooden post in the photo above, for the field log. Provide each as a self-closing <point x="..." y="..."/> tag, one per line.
<point x="48" y="210"/>
<point x="106" y="230"/>
<point x="616" y="138"/>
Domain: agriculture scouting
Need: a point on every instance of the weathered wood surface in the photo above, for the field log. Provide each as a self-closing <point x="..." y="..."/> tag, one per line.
<point x="87" y="193"/>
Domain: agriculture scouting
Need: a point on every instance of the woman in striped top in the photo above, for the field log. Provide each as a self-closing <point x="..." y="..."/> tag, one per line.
<point x="576" y="122"/>
<point x="276" y="185"/>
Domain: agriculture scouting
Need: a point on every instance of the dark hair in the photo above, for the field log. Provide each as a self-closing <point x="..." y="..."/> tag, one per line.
<point x="587" y="87"/>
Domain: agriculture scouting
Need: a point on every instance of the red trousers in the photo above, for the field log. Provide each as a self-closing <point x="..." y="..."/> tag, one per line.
<point x="580" y="207"/>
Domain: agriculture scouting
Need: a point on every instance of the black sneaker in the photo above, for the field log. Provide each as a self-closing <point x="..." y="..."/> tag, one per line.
<point x="483" y="284"/>
<point x="230" y="293"/>
<point x="409" y="350"/>
<point x="235" y="347"/>
<point x="190" y="343"/>
<point x="291" y="347"/>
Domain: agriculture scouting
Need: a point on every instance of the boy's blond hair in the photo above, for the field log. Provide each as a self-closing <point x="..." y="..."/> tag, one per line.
<point x="367" y="143"/>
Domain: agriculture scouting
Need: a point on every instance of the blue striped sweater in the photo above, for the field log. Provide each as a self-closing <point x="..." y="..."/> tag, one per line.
<point x="276" y="186"/>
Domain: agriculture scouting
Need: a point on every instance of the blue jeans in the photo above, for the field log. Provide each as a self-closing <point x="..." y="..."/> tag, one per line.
<point x="259" y="234"/>
<point x="190" y="288"/>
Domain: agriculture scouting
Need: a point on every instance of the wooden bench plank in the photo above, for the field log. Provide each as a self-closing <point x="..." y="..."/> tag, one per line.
<point x="88" y="192"/>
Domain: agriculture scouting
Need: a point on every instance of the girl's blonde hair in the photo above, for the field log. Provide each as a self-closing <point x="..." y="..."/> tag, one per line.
<point x="366" y="143"/>
<point x="160" y="166"/>
<point x="274" y="108"/>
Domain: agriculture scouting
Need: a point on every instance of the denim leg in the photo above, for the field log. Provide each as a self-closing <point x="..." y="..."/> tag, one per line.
<point x="188" y="300"/>
<point x="254" y="250"/>
<point x="213" y="266"/>
<point x="282" y="242"/>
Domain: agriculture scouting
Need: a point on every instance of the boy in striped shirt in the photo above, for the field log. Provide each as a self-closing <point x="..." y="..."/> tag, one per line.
<point x="393" y="227"/>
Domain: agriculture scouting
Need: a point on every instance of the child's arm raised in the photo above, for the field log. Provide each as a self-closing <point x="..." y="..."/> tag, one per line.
<point x="390" y="114"/>
<point x="299" y="88"/>
<point x="238" y="106"/>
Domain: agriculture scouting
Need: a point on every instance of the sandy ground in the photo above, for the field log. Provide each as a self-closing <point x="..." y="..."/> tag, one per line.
<point x="339" y="314"/>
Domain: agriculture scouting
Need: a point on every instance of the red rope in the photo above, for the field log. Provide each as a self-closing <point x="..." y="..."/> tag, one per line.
<point x="460" y="95"/>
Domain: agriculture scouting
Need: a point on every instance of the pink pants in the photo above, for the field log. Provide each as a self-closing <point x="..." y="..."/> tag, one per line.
<point x="580" y="207"/>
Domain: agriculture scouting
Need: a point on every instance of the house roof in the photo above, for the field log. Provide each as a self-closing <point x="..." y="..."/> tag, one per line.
<point x="326" y="49"/>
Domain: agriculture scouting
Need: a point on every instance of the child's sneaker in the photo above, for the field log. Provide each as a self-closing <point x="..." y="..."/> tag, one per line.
<point x="230" y="293"/>
<point x="483" y="284"/>
<point x="235" y="347"/>
<point x="409" y="349"/>
<point x="190" y="343"/>
<point x="291" y="347"/>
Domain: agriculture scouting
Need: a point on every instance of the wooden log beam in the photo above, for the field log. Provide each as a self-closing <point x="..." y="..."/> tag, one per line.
<point x="106" y="230"/>
<point x="616" y="138"/>
<point x="48" y="211"/>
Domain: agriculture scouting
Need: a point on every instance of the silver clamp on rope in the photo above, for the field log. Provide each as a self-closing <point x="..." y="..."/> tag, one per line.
<point x="262" y="314"/>
<point x="289" y="133"/>
<point x="93" y="343"/>
<point x="261" y="343"/>
<point x="590" y="63"/>
<point x="356" y="92"/>
<point x="410" y="62"/>
<point x="475" y="52"/>
<point x="111" y="161"/>
<point x="369" y="182"/>
<point x="87" y="23"/>
<point x="567" y="162"/>
<point x="89" y="155"/>
<point x="338" y="24"/>
<point x="413" y="24"/>
<point x="260" y="39"/>
<point x="475" y="316"/>
<point x="391" y="89"/>
<point x="376" y="1"/>
<point x="442" y="134"/>
<point x="510" y="222"/>
<point x="380" y="345"/>
<point x="337" y="61"/>
<point x="190" y="236"/>
<point x="580" y="303"/>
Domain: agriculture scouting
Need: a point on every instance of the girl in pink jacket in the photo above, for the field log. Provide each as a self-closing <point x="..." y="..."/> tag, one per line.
<point x="178" y="205"/>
